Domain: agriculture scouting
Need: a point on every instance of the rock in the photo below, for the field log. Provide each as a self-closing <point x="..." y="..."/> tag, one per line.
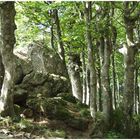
<point x="34" y="84"/>
<point x="78" y="123"/>
<point x="39" y="71"/>
<point x="22" y="69"/>
<point x="43" y="59"/>
<point x="20" y="96"/>
<point x="58" y="109"/>
<point x="48" y="85"/>
<point x="28" y="113"/>
<point x="47" y="59"/>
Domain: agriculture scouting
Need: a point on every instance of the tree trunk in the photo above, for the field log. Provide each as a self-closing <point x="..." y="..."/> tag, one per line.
<point x="61" y="49"/>
<point x="52" y="36"/>
<point x="114" y="80"/>
<point x="129" y="63"/>
<point x="91" y="60"/>
<point x="84" y="76"/>
<point x="99" y="89"/>
<point x="107" y="98"/>
<point x="1" y="71"/>
<point x="74" y="74"/>
<point x="136" y="90"/>
<point x="59" y="36"/>
<point x="87" y="85"/>
<point x="8" y="38"/>
<point x="118" y="91"/>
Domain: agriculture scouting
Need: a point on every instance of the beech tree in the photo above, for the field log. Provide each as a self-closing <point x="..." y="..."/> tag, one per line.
<point x="8" y="40"/>
<point x="129" y="61"/>
<point x="91" y="58"/>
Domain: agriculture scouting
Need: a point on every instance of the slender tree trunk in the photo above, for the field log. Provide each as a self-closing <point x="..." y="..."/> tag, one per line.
<point x="99" y="85"/>
<point x="107" y="98"/>
<point x="118" y="91"/>
<point x="114" y="80"/>
<point x="1" y="71"/>
<point x="136" y="91"/>
<point x="99" y="90"/>
<point x="52" y="28"/>
<point x="101" y="58"/>
<point x="8" y="38"/>
<point x="74" y="74"/>
<point x="52" y="36"/>
<point x="59" y="36"/>
<point x="138" y="100"/>
<point x="61" y="49"/>
<point x="84" y="76"/>
<point x="87" y="85"/>
<point x="91" y="60"/>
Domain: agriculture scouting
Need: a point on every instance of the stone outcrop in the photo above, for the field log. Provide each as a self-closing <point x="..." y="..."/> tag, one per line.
<point x="43" y="59"/>
<point x="39" y="71"/>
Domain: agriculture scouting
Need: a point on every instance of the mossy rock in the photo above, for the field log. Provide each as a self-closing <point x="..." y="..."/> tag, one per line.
<point x="78" y="123"/>
<point x="59" y="109"/>
<point x="68" y="97"/>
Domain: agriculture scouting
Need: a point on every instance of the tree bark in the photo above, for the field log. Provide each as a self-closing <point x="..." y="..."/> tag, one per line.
<point x="91" y="60"/>
<point x="129" y="63"/>
<point x="61" y="50"/>
<point x="99" y="87"/>
<point x="1" y="71"/>
<point x="74" y="74"/>
<point x="59" y="36"/>
<point x="107" y="98"/>
<point x="136" y="90"/>
<point x="114" y="81"/>
<point x="87" y="85"/>
<point x="84" y="76"/>
<point x="8" y="38"/>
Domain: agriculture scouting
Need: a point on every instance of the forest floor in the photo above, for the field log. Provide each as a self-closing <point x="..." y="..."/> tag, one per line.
<point x="43" y="128"/>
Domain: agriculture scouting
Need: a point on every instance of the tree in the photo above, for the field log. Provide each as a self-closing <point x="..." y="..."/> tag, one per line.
<point x="129" y="61"/>
<point x="74" y="74"/>
<point x="8" y="39"/>
<point x="1" y="71"/>
<point x="91" y="58"/>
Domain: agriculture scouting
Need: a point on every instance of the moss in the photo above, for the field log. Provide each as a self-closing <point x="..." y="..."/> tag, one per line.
<point x="85" y="113"/>
<point x="55" y="134"/>
<point x="113" y="135"/>
<point x="67" y="97"/>
<point x="77" y="123"/>
<point x="17" y="109"/>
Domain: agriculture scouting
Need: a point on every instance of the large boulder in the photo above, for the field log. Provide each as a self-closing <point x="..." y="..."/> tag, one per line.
<point x="39" y="71"/>
<point x="48" y="85"/>
<point x="43" y="59"/>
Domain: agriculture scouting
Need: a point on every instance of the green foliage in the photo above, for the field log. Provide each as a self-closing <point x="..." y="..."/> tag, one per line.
<point x="113" y="135"/>
<point x="84" y="112"/>
<point x="37" y="102"/>
<point x="6" y="121"/>
<point x="67" y="97"/>
<point x="17" y="109"/>
<point x="136" y="125"/>
<point x="55" y="133"/>
<point x="118" y="119"/>
<point x="24" y="123"/>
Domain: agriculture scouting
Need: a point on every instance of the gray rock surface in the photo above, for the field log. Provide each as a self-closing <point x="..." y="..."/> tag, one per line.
<point x="39" y="71"/>
<point x="43" y="59"/>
